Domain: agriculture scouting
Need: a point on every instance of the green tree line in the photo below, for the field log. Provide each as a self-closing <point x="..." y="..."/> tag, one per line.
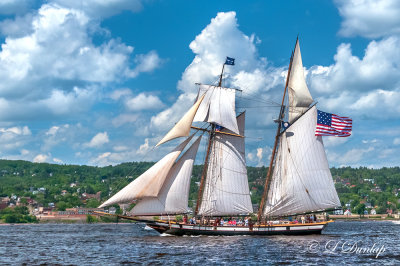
<point x="45" y="183"/>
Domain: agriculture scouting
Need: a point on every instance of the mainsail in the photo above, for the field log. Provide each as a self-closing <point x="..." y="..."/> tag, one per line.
<point x="150" y="182"/>
<point x="218" y="106"/>
<point x="174" y="194"/>
<point x="226" y="190"/>
<point x="299" y="95"/>
<point x="301" y="180"/>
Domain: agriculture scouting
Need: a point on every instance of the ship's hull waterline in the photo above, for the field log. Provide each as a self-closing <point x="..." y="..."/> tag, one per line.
<point x="180" y="229"/>
<point x="280" y="229"/>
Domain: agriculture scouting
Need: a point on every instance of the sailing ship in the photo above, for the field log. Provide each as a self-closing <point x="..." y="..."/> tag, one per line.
<point x="298" y="182"/>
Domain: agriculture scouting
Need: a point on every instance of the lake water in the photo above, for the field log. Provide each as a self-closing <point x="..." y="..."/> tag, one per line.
<point x="342" y="242"/>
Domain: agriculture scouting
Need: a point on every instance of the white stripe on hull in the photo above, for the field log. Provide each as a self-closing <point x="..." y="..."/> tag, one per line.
<point x="232" y="230"/>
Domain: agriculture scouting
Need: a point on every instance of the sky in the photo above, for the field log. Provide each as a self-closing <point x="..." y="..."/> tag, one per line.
<point x="100" y="82"/>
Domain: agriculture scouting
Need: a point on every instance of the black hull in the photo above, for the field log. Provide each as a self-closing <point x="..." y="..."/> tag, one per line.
<point x="195" y="230"/>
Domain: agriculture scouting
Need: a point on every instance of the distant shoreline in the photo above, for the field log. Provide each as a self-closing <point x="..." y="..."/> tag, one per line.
<point x="40" y="223"/>
<point x="377" y="217"/>
<point x="75" y="221"/>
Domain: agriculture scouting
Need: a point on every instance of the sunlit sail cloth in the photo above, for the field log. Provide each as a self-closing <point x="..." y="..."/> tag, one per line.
<point x="182" y="128"/>
<point x="299" y="95"/>
<point x="218" y="106"/>
<point x="301" y="180"/>
<point x="150" y="182"/>
<point x="174" y="194"/>
<point x="226" y="190"/>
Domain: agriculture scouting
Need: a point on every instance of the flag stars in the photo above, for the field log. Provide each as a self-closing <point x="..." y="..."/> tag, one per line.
<point x="333" y="125"/>
<point x="324" y="118"/>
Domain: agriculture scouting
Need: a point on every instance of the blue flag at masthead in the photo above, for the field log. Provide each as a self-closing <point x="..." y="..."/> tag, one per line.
<point x="230" y="61"/>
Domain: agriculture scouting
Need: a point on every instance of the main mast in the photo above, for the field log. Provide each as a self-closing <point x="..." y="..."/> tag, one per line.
<point x="278" y="131"/>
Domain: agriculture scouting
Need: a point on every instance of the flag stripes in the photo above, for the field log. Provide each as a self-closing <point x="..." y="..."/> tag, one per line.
<point x="333" y="125"/>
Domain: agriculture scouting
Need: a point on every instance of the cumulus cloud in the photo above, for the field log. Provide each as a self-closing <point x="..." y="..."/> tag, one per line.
<point x="351" y="157"/>
<point x="135" y="105"/>
<point x="101" y="8"/>
<point x="143" y="102"/>
<point x="62" y="103"/>
<point x="333" y="142"/>
<point x="358" y="85"/>
<point x="60" y="48"/>
<point x="113" y="158"/>
<point x="219" y="39"/>
<point x="41" y="158"/>
<point x="260" y="153"/>
<point x="16" y="130"/>
<point x="369" y="18"/>
<point x="59" y="134"/>
<point x="58" y="161"/>
<point x="251" y="73"/>
<point x="123" y="119"/>
<point x="50" y="66"/>
<point x="97" y="141"/>
<point x="146" y="63"/>
<point x="124" y="153"/>
<point x="144" y="148"/>
<point x="14" y="137"/>
<point x="375" y="70"/>
<point x="118" y="94"/>
<point x="52" y="131"/>
<point x="102" y="159"/>
<point x="259" y="156"/>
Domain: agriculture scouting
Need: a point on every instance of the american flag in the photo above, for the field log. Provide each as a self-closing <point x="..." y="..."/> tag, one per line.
<point x="333" y="125"/>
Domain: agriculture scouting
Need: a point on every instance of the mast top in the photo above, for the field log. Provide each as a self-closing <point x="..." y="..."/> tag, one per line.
<point x="199" y="84"/>
<point x="229" y="61"/>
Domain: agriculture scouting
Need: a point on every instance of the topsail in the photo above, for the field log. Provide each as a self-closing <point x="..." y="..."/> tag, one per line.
<point x="299" y="95"/>
<point x="218" y="107"/>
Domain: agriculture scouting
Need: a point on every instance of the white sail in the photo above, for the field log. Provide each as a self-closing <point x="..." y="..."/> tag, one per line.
<point x="226" y="190"/>
<point x="174" y="194"/>
<point x="301" y="180"/>
<point x="150" y="182"/>
<point x="182" y="128"/>
<point x="218" y="106"/>
<point x="299" y="95"/>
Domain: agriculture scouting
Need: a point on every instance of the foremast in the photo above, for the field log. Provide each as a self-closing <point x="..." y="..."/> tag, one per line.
<point x="205" y="166"/>
<point x="224" y="186"/>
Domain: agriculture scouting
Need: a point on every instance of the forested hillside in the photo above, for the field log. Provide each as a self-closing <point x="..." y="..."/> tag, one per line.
<point x="65" y="186"/>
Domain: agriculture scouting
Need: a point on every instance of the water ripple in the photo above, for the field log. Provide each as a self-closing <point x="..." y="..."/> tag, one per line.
<point x="115" y="244"/>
